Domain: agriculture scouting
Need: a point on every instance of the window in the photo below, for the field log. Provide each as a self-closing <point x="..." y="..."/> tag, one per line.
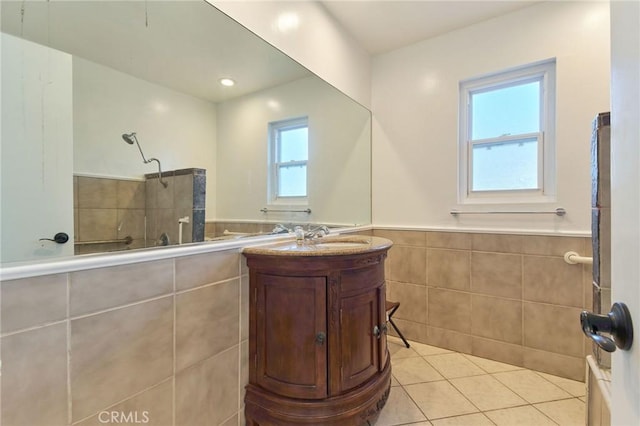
<point x="507" y="151"/>
<point x="289" y="153"/>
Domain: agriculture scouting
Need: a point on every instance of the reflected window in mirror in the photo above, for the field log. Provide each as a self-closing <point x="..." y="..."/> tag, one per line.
<point x="289" y="146"/>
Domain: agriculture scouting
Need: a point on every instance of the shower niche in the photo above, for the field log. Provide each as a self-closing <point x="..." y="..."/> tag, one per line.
<point x="114" y="214"/>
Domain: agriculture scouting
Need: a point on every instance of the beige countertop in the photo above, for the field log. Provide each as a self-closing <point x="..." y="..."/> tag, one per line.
<point x="326" y="246"/>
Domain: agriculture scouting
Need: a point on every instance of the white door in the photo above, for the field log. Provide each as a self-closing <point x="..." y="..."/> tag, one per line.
<point x="37" y="151"/>
<point x="625" y="202"/>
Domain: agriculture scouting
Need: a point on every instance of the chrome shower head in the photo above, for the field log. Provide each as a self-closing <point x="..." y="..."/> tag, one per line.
<point x="129" y="137"/>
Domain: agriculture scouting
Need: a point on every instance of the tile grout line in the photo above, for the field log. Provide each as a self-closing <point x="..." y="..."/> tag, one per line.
<point x="68" y="327"/>
<point x="526" y="403"/>
<point x="175" y="349"/>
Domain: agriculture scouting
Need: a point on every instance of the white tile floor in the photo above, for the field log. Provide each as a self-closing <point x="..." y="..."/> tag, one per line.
<point x="434" y="386"/>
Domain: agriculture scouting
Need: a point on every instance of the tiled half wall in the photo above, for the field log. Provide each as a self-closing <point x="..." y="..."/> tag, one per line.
<point x="167" y="339"/>
<point x="162" y="341"/>
<point x="510" y="298"/>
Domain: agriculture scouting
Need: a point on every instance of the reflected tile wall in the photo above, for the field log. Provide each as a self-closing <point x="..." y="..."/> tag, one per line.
<point x="510" y="298"/>
<point x="108" y="209"/>
<point x="127" y="340"/>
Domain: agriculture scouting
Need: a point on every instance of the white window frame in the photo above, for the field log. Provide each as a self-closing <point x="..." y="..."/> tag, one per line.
<point x="275" y="128"/>
<point x="544" y="72"/>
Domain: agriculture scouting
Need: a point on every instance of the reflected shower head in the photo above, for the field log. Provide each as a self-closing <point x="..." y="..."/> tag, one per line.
<point x="129" y="138"/>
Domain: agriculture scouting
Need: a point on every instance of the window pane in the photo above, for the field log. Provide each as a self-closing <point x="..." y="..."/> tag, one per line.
<point x="512" y="110"/>
<point x="293" y="144"/>
<point x="292" y="181"/>
<point x="505" y="165"/>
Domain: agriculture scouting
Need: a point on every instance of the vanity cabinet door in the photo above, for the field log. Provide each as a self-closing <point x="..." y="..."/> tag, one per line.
<point x="291" y="355"/>
<point x="360" y="336"/>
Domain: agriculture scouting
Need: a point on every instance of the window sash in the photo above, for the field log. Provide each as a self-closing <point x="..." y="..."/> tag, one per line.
<point x="544" y="73"/>
<point x="538" y="137"/>
<point x="277" y="128"/>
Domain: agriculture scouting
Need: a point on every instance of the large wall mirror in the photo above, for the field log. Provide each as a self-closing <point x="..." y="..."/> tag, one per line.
<point x="94" y="92"/>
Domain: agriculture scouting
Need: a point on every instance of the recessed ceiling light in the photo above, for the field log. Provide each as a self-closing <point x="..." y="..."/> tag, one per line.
<point x="227" y="82"/>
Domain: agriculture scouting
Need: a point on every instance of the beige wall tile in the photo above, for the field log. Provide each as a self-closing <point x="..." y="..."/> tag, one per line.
<point x="131" y="223"/>
<point x="244" y="307"/>
<point x="501" y="243"/>
<point x="552" y="246"/>
<point x="406" y="238"/>
<point x="194" y="271"/>
<point x="207" y="322"/>
<point x="34" y="377"/>
<point x="165" y="196"/>
<point x="207" y="392"/>
<point x="97" y="224"/>
<point x="97" y="289"/>
<point x="496" y="318"/>
<point x="167" y="222"/>
<point x="408" y="264"/>
<point x="153" y="407"/>
<point x="151" y="193"/>
<point x="118" y="353"/>
<point x="231" y="421"/>
<point x="449" y="269"/>
<point x="33" y="301"/>
<point x="496" y="274"/>
<point x="553" y="329"/>
<point x="552" y="280"/>
<point x="131" y="194"/>
<point x="449" y="309"/>
<point x="559" y="365"/>
<point x="183" y="191"/>
<point x="594" y="402"/>
<point x="244" y="370"/>
<point x="411" y="330"/>
<point x="499" y="351"/>
<point x="448" y="339"/>
<point x="97" y="193"/>
<point x="75" y="192"/>
<point x="449" y="240"/>
<point x="413" y="301"/>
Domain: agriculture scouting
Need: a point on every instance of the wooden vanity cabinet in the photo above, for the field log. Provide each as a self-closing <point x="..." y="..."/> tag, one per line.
<point x="317" y="339"/>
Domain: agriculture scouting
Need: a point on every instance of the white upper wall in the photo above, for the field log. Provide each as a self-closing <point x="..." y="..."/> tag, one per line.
<point x="307" y="33"/>
<point x="415" y="106"/>
<point x="177" y="129"/>
<point x="339" y="190"/>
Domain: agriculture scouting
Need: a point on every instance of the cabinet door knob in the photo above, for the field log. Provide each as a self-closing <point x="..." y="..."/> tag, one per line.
<point x="376" y="331"/>
<point x="320" y="338"/>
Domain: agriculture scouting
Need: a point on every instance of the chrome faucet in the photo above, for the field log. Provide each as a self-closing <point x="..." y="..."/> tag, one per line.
<point x="317" y="232"/>
<point x="301" y="235"/>
<point x="281" y="229"/>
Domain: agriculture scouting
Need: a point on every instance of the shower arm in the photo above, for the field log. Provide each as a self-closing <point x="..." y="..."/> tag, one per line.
<point x="144" y="159"/>
<point x="165" y="184"/>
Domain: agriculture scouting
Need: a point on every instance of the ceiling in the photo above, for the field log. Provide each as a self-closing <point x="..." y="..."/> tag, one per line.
<point x="184" y="45"/>
<point x="384" y="25"/>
